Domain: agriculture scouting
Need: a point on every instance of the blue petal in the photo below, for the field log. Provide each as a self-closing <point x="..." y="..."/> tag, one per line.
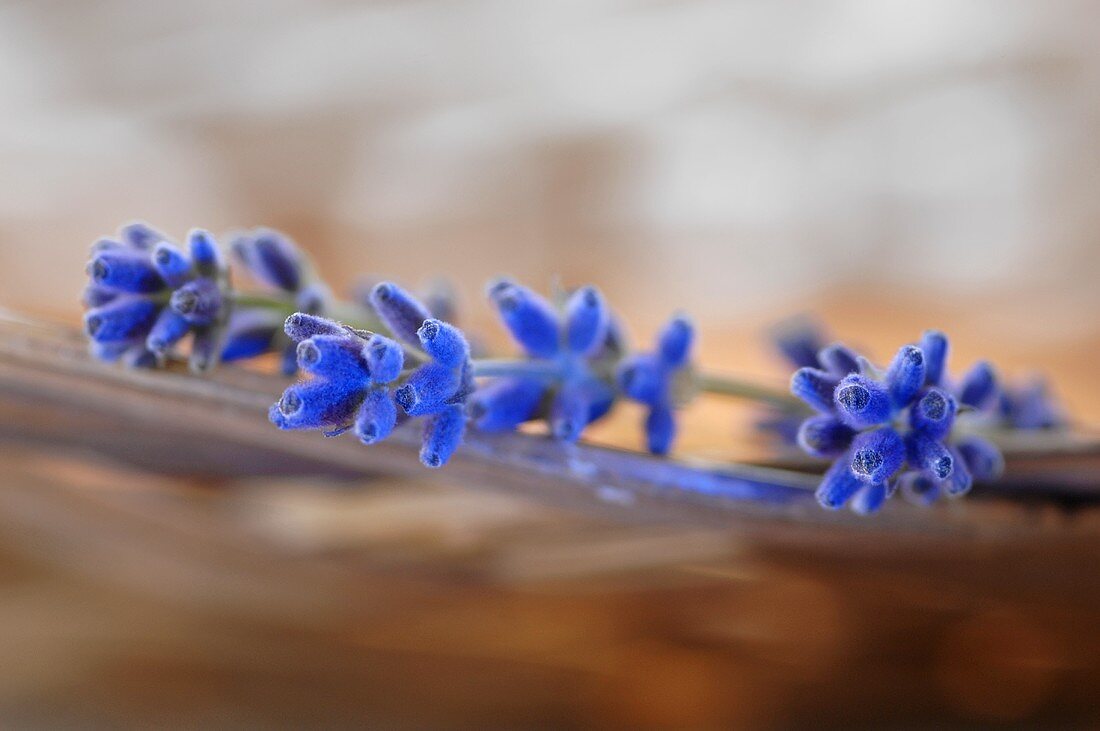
<point x="934" y="414"/>
<point x="935" y="346"/>
<point x="445" y="343"/>
<point x="660" y="429"/>
<point x="825" y="436"/>
<point x="862" y="402"/>
<point x="377" y="416"/>
<point x="172" y="264"/>
<point x="200" y="301"/>
<point x="838" y="485"/>
<point x="140" y="235"/>
<point x="385" y="358"/>
<point x="877" y="455"/>
<point x="586" y="318"/>
<point x="428" y="389"/>
<point x="505" y="403"/>
<point x="317" y="403"/>
<point x="642" y="378"/>
<point x="124" y="318"/>
<point x="125" y="270"/>
<point x="815" y="387"/>
<point x="674" y="342"/>
<point x="905" y="376"/>
<point x="168" y="330"/>
<point x="442" y="435"/>
<point x="839" y="360"/>
<point x="981" y="457"/>
<point x="978" y="385"/>
<point x="300" y="326"/>
<point x="401" y="312"/>
<point x="930" y="455"/>
<point x="335" y="357"/>
<point x="529" y="317"/>
<point x="204" y="252"/>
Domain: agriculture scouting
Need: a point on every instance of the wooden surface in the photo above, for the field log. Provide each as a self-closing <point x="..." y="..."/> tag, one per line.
<point x="169" y="559"/>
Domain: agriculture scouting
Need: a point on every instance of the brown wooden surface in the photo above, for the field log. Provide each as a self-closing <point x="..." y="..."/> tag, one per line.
<point x="264" y="579"/>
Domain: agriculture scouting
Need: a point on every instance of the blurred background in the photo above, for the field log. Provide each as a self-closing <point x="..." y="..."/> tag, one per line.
<point x="891" y="165"/>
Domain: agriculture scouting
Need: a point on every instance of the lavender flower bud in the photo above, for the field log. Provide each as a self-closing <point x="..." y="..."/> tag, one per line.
<point x="586" y="318"/>
<point x="815" y="387"/>
<point x="442" y="435"/>
<point x="674" y="342"/>
<point x="825" y="436"/>
<point x="839" y="360"/>
<point x="377" y="416"/>
<point x="869" y="499"/>
<point x="385" y="358"/>
<point x="919" y="488"/>
<point x="172" y="264"/>
<point x="930" y="455"/>
<point x="978" y="385"/>
<point x="200" y="301"/>
<point x="124" y="318"/>
<point x="334" y="357"/>
<point x="169" y="328"/>
<point x="935" y="346"/>
<point x="838" y="485"/>
<point x="905" y="376"/>
<point x="529" y="317"/>
<point x="577" y="405"/>
<point x="641" y="378"/>
<point x="960" y="480"/>
<point x="250" y="332"/>
<point x="934" y="414"/>
<point x="125" y="270"/>
<point x="139" y="235"/>
<point x="799" y="340"/>
<point x="300" y="326"/>
<point x="320" y="403"/>
<point x="401" y="312"/>
<point x="204" y="253"/>
<point x="428" y="389"/>
<point x="861" y="402"/>
<point x="445" y="343"/>
<point x="660" y="429"/>
<point x="877" y="455"/>
<point x="505" y="403"/>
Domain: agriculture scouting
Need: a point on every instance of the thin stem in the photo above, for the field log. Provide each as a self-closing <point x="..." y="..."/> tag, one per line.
<point x="736" y="388"/>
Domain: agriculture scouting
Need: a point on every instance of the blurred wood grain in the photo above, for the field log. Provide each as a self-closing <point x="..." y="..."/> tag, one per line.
<point x="170" y="560"/>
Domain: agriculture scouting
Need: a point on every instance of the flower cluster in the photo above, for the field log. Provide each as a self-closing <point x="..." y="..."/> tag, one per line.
<point x="356" y="379"/>
<point x="146" y="294"/>
<point x="651" y="379"/>
<point x="566" y="379"/>
<point x="893" y="429"/>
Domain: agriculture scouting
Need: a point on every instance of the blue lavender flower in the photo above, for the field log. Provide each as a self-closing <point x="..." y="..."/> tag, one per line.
<point x="650" y="378"/>
<point x="272" y="259"/>
<point x="146" y="294"/>
<point x="363" y="369"/>
<point x="893" y="428"/>
<point x="567" y="378"/>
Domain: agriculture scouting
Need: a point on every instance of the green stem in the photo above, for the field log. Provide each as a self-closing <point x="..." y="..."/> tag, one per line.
<point x="736" y="388"/>
<point x="541" y="369"/>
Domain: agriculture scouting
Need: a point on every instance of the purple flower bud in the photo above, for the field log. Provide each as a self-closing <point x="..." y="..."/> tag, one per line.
<point x="586" y="318"/>
<point x="251" y="332"/>
<point x="125" y="270"/>
<point x="124" y="318"/>
<point x="315" y="404"/>
<point x="877" y="455"/>
<point x="385" y="358"/>
<point x="838" y="485"/>
<point x="660" y="429"/>
<point x="839" y="360"/>
<point x="861" y="402"/>
<point x="336" y="357"/>
<point x="934" y="414"/>
<point x="905" y="376"/>
<point x="401" y="312"/>
<point x="576" y="405"/>
<point x="529" y="317"/>
<point x="445" y="343"/>
<point x="168" y="330"/>
<point x="200" y="301"/>
<point x="204" y="252"/>
<point x="960" y="480"/>
<point x="674" y="342"/>
<point x="825" y="436"/>
<point x="140" y="235"/>
<point x="919" y="488"/>
<point x="926" y="453"/>
<point x="428" y="389"/>
<point x="300" y="326"/>
<point x="869" y="499"/>
<point x="935" y="346"/>
<point x="377" y="416"/>
<point x="642" y="378"/>
<point x="978" y="385"/>
<point x="799" y="340"/>
<point x="815" y="387"/>
<point x="442" y="435"/>
<point x="505" y="403"/>
<point x="172" y="264"/>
